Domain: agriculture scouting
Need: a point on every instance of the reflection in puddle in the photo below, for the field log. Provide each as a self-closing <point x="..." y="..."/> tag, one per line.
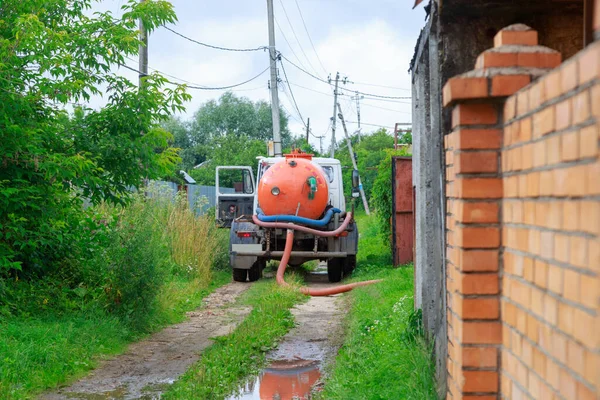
<point x="283" y="380"/>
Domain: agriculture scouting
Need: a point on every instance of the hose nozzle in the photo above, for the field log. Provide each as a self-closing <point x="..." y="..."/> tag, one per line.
<point x="312" y="183"/>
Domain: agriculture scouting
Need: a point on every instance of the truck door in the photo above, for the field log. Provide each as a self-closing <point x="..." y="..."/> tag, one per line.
<point x="235" y="188"/>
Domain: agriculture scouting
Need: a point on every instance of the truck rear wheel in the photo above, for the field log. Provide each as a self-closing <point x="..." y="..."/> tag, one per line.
<point x="239" y="275"/>
<point x="255" y="272"/>
<point x="334" y="270"/>
<point x="349" y="265"/>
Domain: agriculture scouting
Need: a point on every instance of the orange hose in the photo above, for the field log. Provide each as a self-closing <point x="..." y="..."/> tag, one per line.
<point x="287" y="251"/>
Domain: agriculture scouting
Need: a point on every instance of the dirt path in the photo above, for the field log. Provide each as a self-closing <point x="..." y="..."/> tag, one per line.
<point x="295" y="368"/>
<point x="150" y="365"/>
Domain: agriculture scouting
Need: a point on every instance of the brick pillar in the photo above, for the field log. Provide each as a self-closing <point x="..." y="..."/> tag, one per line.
<point x="474" y="202"/>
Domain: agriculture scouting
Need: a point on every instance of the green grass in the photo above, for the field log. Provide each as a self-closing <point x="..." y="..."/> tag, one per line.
<point x="232" y="359"/>
<point x="381" y="357"/>
<point x="41" y="352"/>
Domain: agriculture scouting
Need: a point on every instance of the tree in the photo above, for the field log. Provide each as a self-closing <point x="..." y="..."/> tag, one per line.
<point x="52" y="54"/>
<point x="369" y="154"/>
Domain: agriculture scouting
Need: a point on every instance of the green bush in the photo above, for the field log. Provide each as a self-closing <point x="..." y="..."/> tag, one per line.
<point x="381" y="197"/>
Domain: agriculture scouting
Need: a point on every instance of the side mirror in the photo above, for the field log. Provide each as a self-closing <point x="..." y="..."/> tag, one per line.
<point x="355" y="183"/>
<point x="355" y="179"/>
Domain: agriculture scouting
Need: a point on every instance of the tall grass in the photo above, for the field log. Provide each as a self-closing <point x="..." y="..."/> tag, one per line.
<point x="134" y="269"/>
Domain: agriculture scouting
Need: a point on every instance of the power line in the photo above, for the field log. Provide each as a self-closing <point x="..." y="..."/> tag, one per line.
<point x="363" y="104"/>
<point x="309" y="38"/>
<point x="382" y="86"/>
<point x="303" y="70"/>
<point x="288" y="43"/>
<point x="295" y="36"/>
<point x="366" y="123"/>
<point x="200" y="87"/>
<point x="292" y="94"/>
<point x="213" y="46"/>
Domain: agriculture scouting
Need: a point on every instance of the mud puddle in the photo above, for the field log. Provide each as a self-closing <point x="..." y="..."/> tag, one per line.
<point x="295" y="369"/>
<point x="150" y="366"/>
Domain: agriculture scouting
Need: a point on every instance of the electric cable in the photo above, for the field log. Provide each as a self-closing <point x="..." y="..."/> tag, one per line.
<point x="292" y="94"/>
<point x="213" y="46"/>
<point x="296" y="36"/>
<point x="309" y="38"/>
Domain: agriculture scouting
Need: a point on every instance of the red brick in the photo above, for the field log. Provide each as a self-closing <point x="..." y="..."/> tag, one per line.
<point x="589" y="217"/>
<point x="581" y="107"/>
<point x="525" y="129"/>
<point x="551" y="84"/>
<point x="491" y="59"/>
<point x="588" y="141"/>
<point x="478" y="283"/>
<point x="540" y="274"/>
<point x="553" y="149"/>
<point x="479" y="260"/>
<point x="479" y="308"/>
<point x="539" y="59"/>
<point x="480" y="381"/>
<point x="482" y="188"/>
<point x="477" y="139"/>
<point x="506" y="37"/>
<point x="566" y="319"/>
<point x="474" y="114"/>
<point x="527" y="156"/>
<point x="522" y="102"/>
<point x="539" y="153"/>
<point x="459" y="88"/>
<point x="588" y="181"/>
<point x="478" y="212"/>
<point x="561" y="248"/>
<point x="480" y="357"/>
<point x="478" y="237"/>
<point x="570" y="146"/>
<point x="570" y="215"/>
<point x="481" y="332"/>
<point x="563" y="114"/>
<point x="555" y="279"/>
<point x="543" y="122"/>
<point x="533" y="184"/>
<point x="578" y="253"/>
<point x="572" y="285"/>
<point x="568" y="75"/>
<point x="537" y="95"/>
<point x="576" y="357"/>
<point x="509" y="107"/>
<point x="568" y="385"/>
<point x="476" y="162"/>
<point x="589" y="63"/>
<point x="506" y="85"/>
<point x="584" y="393"/>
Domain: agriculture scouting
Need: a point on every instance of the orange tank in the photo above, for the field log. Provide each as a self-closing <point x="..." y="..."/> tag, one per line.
<point x="294" y="186"/>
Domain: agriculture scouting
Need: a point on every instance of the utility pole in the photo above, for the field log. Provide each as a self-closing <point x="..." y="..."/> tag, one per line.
<point x="307" y="128"/>
<point x="143" y="57"/>
<point x="357" y="98"/>
<point x="349" y="142"/>
<point x="273" y="84"/>
<point x="334" y="118"/>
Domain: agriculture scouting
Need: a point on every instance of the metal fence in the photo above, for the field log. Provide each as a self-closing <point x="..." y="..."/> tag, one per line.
<point x="200" y="198"/>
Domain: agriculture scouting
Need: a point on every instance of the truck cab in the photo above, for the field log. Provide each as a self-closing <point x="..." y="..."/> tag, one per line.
<point x="251" y="246"/>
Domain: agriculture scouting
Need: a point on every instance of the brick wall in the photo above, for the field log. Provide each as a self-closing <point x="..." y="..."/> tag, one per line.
<point x="551" y="223"/>
<point x="523" y="201"/>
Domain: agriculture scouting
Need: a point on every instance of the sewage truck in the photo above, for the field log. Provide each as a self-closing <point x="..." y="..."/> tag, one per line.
<point x="299" y="191"/>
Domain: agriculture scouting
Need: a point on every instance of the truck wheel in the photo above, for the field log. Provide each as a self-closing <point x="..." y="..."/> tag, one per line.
<point x="239" y="275"/>
<point x="255" y="272"/>
<point x="349" y="265"/>
<point x="334" y="270"/>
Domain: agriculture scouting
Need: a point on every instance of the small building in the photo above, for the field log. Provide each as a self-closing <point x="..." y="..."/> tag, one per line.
<point x="506" y="105"/>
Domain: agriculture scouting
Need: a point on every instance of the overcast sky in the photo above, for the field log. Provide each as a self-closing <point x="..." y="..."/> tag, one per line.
<point x="370" y="42"/>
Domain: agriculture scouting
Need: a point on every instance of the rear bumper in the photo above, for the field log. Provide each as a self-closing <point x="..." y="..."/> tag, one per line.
<point x="279" y="254"/>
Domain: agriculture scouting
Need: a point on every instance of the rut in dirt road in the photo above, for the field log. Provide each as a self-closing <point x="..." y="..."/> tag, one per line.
<point x="150" y="365"/>
<point x="295" y="368"/>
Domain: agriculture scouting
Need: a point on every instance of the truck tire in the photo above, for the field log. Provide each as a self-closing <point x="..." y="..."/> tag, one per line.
<point x="239" y="275"/>
<point x="334" y="270"/>
<point x="349" y="265"/>
<point x="255" y="272"/>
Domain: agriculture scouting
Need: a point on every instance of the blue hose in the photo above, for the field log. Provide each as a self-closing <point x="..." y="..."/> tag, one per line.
<point x="300" y="220"/>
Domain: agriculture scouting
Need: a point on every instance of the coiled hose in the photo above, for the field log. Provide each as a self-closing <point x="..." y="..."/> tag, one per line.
<point x="287" y="251"/>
